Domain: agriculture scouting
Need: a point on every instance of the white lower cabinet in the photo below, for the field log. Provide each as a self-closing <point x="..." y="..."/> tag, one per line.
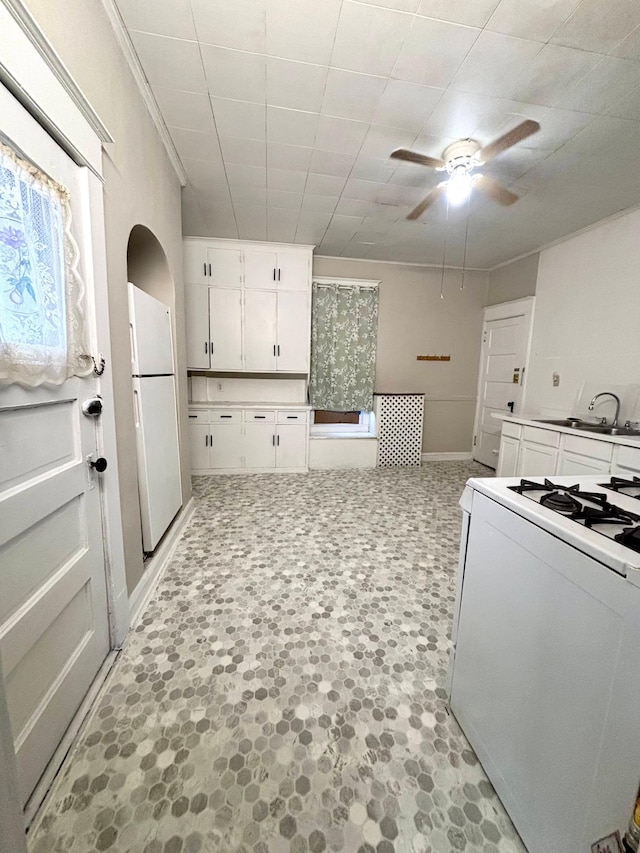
<point x="251" y="440"/>
<point x="626" y="461"/>
<point x="536" y="460"/>
<point x="508" y="459"/>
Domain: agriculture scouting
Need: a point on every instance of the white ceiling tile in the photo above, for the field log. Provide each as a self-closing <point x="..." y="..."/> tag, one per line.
<point x="235" y="74"/>
<point x="250" y="196"/>
<point x="393" y="194"/>
<point x="252" y="222"/>
<point x="288" y="201"/>
<point x="611" y="80"/>
<point x="493" y="63"/>
<point x="628" y="107"/>
<point x="531" y="19"/>
<point x="240" y="24"/>
<point x="204" y="174"/>
<point x="433" y="52"/>
<point x="324" y="184"/>
<point x="292" y="127"/>
<point x="170" y="62"/>
<point x="433" y="146"/>
<point x="330" y="248"/>
<point x="400" y="5"/>
<point x="375" y="223"/>
<point x="311" y="227"/>
<point x="221" y="220"/>
<point x="319" y="203"/>
<point x="355" y="249"/>
<point x="373" y="169"/>
<point x="355" y="207"/>
<point x="342" y="227"/>
<point x="557" y="128"/>
<point x="369" y="38"/>
<point x="165" y="19"/>
<point x="412" y="175"/>
<point x="246" y="176"/>
<point x="609" y="137"/>
<point x="188" y="110"/>
<point x="302" y="29"/>
<point x="194" y="143"/>
<point x="246" y="152"/>
<point x="281" y="225"/>
<point x="461" y="114"/>
<point x="552" y="73"/>
<point x="599" y="26"/>
<point x="193" y="221"/>
<point x="286" y="179"/>
<point x="407" y="105"/>
<point x="352" y="95"/>
<point x="475" y="14"/>
<point x="294" y="157"/>
<point x="331" y="163"/>
<point x="380" y="141"/>
<point x="340" y="134"/>
<point x="295" y="85"/>
<point x="239" y="118"/>
<point x="630" y="47"/>
<point x="361" y="190"/>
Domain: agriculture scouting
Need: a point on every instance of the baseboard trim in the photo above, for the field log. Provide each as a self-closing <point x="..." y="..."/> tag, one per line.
<point x="157" y="565"/>
<point x="446" y="457"/>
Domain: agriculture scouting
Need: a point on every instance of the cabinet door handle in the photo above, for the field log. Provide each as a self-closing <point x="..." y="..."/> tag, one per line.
<point x="206" y="441"/>
<point x="274" y="349"/>
<point x="193" y="416"/>
<point x="278" y="349"/>
<point x="210" y="441"/>
<point x="209" y="269"/>
<point x="211" y="348"/>
<point x="274" y="274"/>
<point x="289" y="417"/>
<point x="205" y="268"/>
<point x="278" y="441"/>
<point x="206" y="348"/>
<point x="226" y="416"/>
<point x="259" y="417"/>
<point x="278" y="274"/>
<point x="273" y="440"/>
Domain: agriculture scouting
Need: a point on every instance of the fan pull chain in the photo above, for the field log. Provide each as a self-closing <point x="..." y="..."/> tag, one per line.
<point x="466" y="232"/>
<point x="444" y="250"/>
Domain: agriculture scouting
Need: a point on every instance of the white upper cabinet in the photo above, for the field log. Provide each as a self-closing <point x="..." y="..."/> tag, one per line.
<point x="248" y="306"/>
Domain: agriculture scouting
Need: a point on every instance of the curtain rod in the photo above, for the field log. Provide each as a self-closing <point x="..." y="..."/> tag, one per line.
<point x="346" y="286"/>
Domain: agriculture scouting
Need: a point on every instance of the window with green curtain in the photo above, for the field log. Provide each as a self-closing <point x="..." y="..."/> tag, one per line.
<point x="344" y="326"/>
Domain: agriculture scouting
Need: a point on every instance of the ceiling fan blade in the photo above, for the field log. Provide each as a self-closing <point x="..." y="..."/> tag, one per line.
<point x="433" y="196"/>
<point x="496" y="191"/>
<point x="414" y="157"/>
<point x="512" y="137"/>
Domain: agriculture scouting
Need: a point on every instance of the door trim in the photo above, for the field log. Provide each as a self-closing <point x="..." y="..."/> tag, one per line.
<point x="503" y="311"/>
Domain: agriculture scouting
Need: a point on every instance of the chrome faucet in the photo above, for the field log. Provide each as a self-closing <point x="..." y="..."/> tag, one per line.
<point x="616" y="398"/>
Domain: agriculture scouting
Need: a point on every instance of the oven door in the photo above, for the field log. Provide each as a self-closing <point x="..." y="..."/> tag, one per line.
<point x="546" y="680"/>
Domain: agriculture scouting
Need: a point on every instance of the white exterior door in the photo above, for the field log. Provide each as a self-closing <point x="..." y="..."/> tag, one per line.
<point x="225" y="325"/>
<point x="503" y="357"/>
<point x="54" y="632"/>
<point x="293" y="331"/>
<point x="260" y="330"/>
<point x="196" y="309"/>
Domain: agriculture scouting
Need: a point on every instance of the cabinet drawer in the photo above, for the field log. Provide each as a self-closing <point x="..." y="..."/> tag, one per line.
<point x="627" y="457"/>
<point x="265" y="416"/>
<point x="511" y="430"/>
<point x="292" y="417"/>
<point x="541" y="436"/>
<point x="199" y="416"/>
<point x="226" y="416"/>
<point x="588" y="447"/>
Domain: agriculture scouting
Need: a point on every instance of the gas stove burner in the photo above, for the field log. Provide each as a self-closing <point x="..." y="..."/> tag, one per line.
<point x="560" y="502"/>
<point x="630" y="538"/>
<point x="547" y="486"/>
<point x="612" y="515"/>
<point x="617" y="484"/>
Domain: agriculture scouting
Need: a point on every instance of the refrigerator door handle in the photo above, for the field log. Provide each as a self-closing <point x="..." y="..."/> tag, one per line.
<point x="136" y="408"/>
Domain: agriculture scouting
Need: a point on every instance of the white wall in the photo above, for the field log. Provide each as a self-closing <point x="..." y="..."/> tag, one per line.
<point x="514" y="280"/>
<point x="587" y="315"/>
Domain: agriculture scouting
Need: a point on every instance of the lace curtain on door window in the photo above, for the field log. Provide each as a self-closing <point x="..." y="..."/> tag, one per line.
<point x="344" y="326"/>
<point x="42" y="333"/>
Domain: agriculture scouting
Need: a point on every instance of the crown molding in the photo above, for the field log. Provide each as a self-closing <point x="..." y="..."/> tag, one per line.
<point x="399" y="263"/>
<point x="126" y="45"/>
<point x="31" y="29"/>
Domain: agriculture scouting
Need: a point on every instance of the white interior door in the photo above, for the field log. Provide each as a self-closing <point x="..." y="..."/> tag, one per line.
<point x="225" y="324"/>
<point x="503" y="358"/>
<point x="293" y="331"/>
<point x="54" y="632"/>
<point x="260" y="334"/>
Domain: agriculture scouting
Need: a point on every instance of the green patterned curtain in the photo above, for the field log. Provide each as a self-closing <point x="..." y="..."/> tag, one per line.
<point x="344" y="324"/>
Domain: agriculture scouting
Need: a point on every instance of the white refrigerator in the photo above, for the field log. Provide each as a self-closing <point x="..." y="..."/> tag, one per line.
<point x="155" y="412"/>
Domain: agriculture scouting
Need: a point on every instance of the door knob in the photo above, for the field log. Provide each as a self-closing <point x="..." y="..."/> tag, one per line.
<point x="92" y="407"/>
<point x="510" y="406"/>
<point x="99" y="465"/>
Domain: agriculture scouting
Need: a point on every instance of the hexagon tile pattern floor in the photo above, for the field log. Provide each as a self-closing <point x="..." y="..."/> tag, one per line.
<point x="284" y="691"/>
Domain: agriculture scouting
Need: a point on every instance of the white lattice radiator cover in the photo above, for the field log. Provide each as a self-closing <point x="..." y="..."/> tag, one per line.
<point x="399" y="418"/>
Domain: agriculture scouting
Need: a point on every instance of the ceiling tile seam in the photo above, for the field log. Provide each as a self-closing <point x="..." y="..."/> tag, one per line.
<point x="622" y="98"/>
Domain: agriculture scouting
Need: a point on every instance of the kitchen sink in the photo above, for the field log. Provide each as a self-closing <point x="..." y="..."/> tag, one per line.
<point x="585" y="426"/>
<point x="574" y="423"/>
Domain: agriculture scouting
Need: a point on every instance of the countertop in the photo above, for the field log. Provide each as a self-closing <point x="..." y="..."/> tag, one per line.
<point x="224" y="404"/>
<point x="530" y="420"/>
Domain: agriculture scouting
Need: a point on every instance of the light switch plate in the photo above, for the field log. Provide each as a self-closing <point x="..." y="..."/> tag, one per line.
<point x="556" y="380"/>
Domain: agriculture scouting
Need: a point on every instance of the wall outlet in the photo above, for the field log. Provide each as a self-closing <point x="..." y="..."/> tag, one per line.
<point x="219" y="386"/>
<point x="556" y="380"/>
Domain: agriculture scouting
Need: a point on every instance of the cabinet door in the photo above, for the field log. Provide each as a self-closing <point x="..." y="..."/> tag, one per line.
<point x="225" y="323"/>
<point x="508" y="460"/>
<point x="196" y="311"/>
<point x="260" y="338"/>
<point x="293" y="271"/>
<point x="574" y="463"/>
<point x="293" y="331"/>
<point x="260" y="445"/>
<point x="227" y="445"/>
<point x="537" y="460"/>
<point x="199" y="440"/>
<point x="194" y="263"/>
<point x="260" y="270"/>
<point x="224" y="267"/>
<point x="291" y="446"/>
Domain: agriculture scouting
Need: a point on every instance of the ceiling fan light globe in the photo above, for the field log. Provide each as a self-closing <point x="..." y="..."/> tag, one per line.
<point x="459" y="187"/>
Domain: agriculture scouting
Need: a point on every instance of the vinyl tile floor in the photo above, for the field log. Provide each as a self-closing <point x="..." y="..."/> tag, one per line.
<point x="284" y="690"/>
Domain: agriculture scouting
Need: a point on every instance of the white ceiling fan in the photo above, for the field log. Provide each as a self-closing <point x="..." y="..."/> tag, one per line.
<point x="460" y="159"/>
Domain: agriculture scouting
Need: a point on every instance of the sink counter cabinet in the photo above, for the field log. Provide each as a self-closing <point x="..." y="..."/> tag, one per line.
<point x="534" y="451"/>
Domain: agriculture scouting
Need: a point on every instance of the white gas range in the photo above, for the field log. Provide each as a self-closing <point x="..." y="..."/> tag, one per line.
<point x="545" y="665"/>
